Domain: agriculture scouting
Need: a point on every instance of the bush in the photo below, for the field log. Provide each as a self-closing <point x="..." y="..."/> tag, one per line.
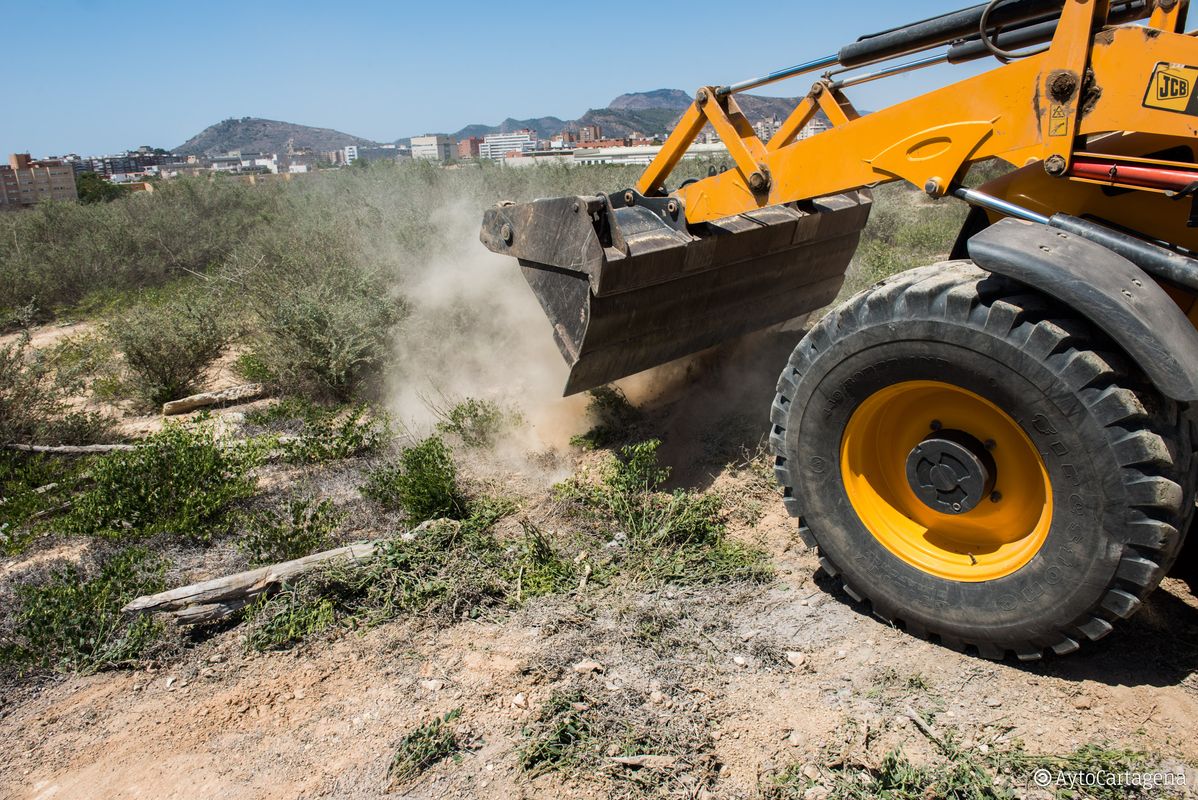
<point x="422" y="483"/>
<point x="476" y="422"/>
<point x="325" y="319"/>
<point x="34" y="407"/>
<point x="180" y="481"/>
<point x="72" y="622"/>
<point x="302" y="529"/>
<point x="675" y="536"/>
<point x="612" y="416"/>
<point x="327" y="435"/>
<point x="167" y="345"/>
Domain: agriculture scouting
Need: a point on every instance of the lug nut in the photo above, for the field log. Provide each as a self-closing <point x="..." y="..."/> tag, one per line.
<point x="990" y="444"/>
<point x="505" y="233"/>
<point x="758" y="182"/>
<point x="995" y="496"/>
<point x="672" y="206"/>
<point x="1054" y="165"/>
<point x="935" y="425"/>
<point x="629" y="198"/>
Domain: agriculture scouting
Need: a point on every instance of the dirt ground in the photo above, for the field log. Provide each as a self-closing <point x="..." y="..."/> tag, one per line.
<point x="761" y="677"/>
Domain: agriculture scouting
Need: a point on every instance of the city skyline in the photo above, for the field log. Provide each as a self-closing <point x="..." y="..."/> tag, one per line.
<point x="298" y="63"/>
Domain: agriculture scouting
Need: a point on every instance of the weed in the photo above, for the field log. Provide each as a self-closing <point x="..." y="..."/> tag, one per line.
<point x="612" y="415"/>
<point x="168" y="344"/>
<point x="969" y="774"/>
<point x="289" y="617"/>
<point x="422" y="483"/>
<point x="561" y="733"/>
<point x="447" y="569"/>
<point x="673" y="536"/>
<point x="476" y="422"/>
<point x="328" y="436"/>
<point x="541" y="570"/>
<point x="304" y="527"/>
<point x="72" y="622"/>
<point x="179" y="481"/>
<point x="424" y="747"/>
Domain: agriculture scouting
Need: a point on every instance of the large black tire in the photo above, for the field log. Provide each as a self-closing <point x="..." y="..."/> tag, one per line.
<point x="1118" y="454"/>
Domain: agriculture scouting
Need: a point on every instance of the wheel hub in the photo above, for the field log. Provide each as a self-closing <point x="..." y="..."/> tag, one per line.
<point x="950" y="471"/>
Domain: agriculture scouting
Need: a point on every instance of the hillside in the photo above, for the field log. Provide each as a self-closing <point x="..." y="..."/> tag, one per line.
<point x="649" y="112"/>
<point x="256" y="135"/>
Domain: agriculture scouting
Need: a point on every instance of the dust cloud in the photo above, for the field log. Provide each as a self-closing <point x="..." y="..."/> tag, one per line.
<point x="476" y="330"/>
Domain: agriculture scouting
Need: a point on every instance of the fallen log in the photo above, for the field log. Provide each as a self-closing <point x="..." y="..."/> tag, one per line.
<point x="250" y="584"/>
<point x="234" y="394"/>
<point x="69" y="449"/>
<point x="219" y="598"/>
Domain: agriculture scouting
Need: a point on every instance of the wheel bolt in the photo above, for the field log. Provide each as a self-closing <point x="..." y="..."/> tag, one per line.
<point x="990" y="444"/>
<point x="995" y="496"/>
<point x="935" y="425"/>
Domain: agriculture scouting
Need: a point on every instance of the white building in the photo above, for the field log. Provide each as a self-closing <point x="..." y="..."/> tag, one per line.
<point x="434" y="147"/>
<point x="350" y="154"/>
<point x="496" y="146"/>
<point x="640" y="154"/>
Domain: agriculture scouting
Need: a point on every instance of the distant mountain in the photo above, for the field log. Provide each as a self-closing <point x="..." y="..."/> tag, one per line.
<point x="658" y="98"/>
<point x="648" y="113"/>
<point x="255" y="135"/>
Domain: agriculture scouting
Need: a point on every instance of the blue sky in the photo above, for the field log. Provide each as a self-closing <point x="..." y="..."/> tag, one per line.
<point x="100" y="76"/>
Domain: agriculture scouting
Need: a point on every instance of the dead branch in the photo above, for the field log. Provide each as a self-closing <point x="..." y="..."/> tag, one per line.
<point x="234" y="394"/>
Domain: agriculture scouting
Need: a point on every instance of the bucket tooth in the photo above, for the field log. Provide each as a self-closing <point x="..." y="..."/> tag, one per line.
<point x="627" y="285"/>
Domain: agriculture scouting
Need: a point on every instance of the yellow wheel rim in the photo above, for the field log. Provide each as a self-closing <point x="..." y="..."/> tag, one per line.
<point x="989" y="541"/>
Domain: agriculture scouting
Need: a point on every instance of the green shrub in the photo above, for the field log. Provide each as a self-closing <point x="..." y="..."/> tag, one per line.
<point x="676" y="536"/>
<point x="180" y="481"/>
<point x="167" y="345"/>
<point x="422" y="483"/>
<point x="423" y="747"/>
<point x="328" y="435"/>
<point x="612" y="417"/>
<point x="476" y="422"/>
<point x="72" y="622"/>
<point x="303" y="528"/>
<point x="290" y="616"/>
<point x="34" y="408"/>
<point x="541" y="570"/>
<point x="325" y="318"/>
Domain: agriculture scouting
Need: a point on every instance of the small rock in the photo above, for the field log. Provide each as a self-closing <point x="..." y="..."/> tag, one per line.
<point x="816" y="793"/>
<point x="586" y="667"/>
<point x="796" y="658"/>
<point x="580" y="707"/>
<point x="750" y="635"/>
<point x="1083" y="702"/>
<point x="841" y="653"/>
<point x="994" y="702"/>
<point x="432" y="684"/>
<point x="715" y="736"/>
<point x="656" y="697"/>
<point x="795" y="739"/>
<point x="299" y="694"/>
<point x="810" y="772"/>
<point x="739" y="661"/>
<point x="520" y="700"/>
<point x="216" y="659"/>
<point x="171" y="682"/>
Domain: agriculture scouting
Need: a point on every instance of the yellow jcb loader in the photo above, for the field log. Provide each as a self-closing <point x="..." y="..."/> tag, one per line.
<point x="995" y="452"/>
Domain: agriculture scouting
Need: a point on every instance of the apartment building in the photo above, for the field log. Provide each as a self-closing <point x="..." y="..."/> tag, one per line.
<point x="434" y="147"/>
<point x="25" y="181"/>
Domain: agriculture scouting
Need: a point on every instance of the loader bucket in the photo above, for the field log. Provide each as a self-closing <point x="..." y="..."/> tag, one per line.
<point x="627" y="285"/>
